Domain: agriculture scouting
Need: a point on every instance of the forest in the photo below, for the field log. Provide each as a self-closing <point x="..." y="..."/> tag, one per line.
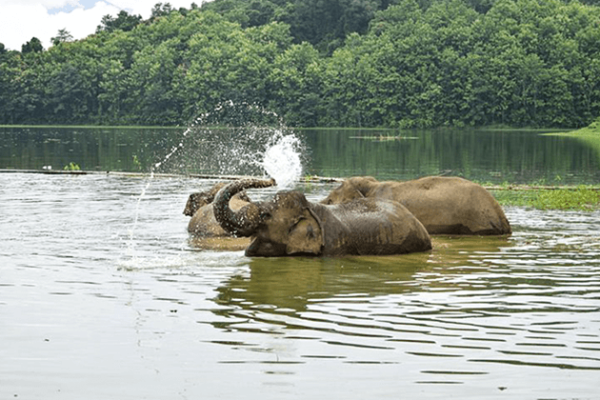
<point x="327" y="63"/>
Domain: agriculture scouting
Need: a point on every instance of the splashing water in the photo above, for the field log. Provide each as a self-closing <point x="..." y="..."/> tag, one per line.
<point x="250" y="151"/>
<point x="241" y="148"/>
<point x="174" y="149"/>
<point x="246" y="149"/>
<point x="282" y="161"/>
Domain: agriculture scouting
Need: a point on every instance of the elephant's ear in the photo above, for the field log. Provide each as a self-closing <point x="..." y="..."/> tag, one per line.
<point x="192" y="205"/>
<point x="306" y="235"/>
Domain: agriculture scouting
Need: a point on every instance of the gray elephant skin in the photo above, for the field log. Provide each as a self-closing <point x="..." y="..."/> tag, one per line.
<point x="445" y="205"/>
<point x="290" y="225"/>
<point x="200" y="207"/>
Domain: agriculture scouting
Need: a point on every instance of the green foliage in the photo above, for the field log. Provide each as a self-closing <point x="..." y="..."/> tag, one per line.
<point x="72" y="167"/>
<point x="360" y="63"/>
<point x="593" y="128"/>
<point x="294" y="82"/>
<point x="61" y="37"/>
<point x="124" y="22"/>
<point x="137" y="165"/>
<point x="581" y="198"/>
<point x="324" y="24"/>
<point x="161" y="10"/>
<point x="33" y="46"/>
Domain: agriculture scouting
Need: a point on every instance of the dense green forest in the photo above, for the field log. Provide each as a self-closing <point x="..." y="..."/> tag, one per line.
<point x="359" y="63"/>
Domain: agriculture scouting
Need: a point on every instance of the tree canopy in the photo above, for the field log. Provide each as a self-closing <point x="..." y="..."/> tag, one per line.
<point x="124" y="21"/>
<point x="61" y="37"/>
<point x="361" y="63"/>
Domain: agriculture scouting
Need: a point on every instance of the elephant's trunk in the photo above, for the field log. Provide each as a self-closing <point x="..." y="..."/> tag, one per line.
<point x="245" y="221"/>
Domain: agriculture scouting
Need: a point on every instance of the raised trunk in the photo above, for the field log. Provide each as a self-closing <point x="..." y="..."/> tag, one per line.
<point x="245" y="221"/>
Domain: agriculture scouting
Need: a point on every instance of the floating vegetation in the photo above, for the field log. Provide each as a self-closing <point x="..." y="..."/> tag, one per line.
<point x="384" y="138"/>
<point x="583" y="198"/>
<point x="72" y="167"/>
<point x="136" y="163"/>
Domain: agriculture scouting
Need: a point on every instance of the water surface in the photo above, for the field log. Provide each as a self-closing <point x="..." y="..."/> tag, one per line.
<point x="485" y="156"/>
<point x="102" y="295"/>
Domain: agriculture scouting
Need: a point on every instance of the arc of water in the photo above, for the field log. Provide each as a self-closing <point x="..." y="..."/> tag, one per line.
<point x="280" y="158"/>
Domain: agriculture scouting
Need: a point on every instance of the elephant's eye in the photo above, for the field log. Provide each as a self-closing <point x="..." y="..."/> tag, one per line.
<point x="265" y="215"/>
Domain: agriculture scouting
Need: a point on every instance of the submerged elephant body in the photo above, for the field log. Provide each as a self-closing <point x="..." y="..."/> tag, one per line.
<point x="204" y="223"/>
<point x="291" y="225"/>
<point x="444" y="205"/>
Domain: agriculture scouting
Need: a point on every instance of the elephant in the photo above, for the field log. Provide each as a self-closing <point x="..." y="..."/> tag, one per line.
<point x="199" y="206"/>
<point x="290" y="225"/>
<point x="200" y="199"/>
<point x="444" y="205"/>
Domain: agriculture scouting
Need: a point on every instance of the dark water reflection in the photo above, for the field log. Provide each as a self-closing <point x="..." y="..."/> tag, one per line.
<point x="487" y="156"/>
<point x="102" y="296"/>
<point x="483" y="155"/>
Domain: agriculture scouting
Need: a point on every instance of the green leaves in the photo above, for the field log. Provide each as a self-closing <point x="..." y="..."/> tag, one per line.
<point x="520" y="64"/>
<point x="585" y="198"/>
<point x="359" y="63"/>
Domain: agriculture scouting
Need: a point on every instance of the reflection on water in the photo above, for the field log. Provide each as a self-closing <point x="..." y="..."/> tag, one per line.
<point x="95" y="306"/>
<point x="482" y="155"/>
<point x="487" y="156"/>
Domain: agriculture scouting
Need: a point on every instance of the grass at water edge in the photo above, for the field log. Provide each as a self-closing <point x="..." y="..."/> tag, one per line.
<point x="581" y="198"/>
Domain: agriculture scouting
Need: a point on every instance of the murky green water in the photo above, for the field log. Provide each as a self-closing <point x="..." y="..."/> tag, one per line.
<point x="486" y="156"/>
<point x="103" y="296"/>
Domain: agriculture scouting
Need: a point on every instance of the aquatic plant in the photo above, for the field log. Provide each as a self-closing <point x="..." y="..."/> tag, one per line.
<point x="136" y="162"/>
<point x="584" y="198"/>
<point x="72" y="167"/>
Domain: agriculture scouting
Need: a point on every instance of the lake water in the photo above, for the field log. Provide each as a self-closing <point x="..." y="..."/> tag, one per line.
<point x="485" y="156"/>
<point x="103" y="295"/>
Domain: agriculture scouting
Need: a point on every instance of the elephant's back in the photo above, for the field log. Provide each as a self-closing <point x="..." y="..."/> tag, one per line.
<point x="450" y="205"/>
<point x="382" y="227"/>
<point x="204" y="223"/>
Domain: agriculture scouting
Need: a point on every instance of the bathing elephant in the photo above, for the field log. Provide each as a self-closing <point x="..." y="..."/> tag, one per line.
<point x="200" y="199"/>
<point x="445" y="205"/>
<point x="199" y="206"/>
<point x="291" y="225"/>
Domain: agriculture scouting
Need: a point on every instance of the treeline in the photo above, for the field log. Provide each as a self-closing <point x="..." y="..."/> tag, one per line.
<point x="360" y="63"/>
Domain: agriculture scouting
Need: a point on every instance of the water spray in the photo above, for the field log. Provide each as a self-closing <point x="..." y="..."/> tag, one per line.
<point x="282" y="162"/>
<point x="245" y="149"/>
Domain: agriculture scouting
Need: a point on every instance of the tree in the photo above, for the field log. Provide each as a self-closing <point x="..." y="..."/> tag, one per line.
<point x="62" y="36"/>
<point x="10" y="74"/>
<point x="124" y="21"/>
<point x="33" y="46"/>
<point x="416" y="63"/>
<point x="161" y="10"/>
<point x="326" y="24"/>
<point x="294" y="85"/>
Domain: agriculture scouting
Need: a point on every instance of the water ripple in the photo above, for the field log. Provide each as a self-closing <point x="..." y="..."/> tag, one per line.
<point x="90" y="273"/>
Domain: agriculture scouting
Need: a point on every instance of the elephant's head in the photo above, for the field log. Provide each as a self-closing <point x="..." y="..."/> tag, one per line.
<point x="195" y="202"/>
<point x="350" y="189"/>
<point x="198" y="200"/>
<point x="286" y="225"/>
